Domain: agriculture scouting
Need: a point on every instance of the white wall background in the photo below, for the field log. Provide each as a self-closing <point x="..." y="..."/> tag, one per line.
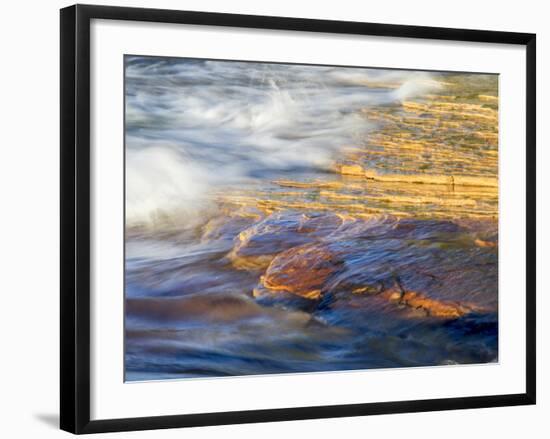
<point x="29" y="248"/>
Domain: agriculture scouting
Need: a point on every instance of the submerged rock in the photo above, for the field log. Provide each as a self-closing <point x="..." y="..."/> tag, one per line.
<point x="228" y="224"/>
<point x="302" y="271"/>
<point x="364" y="262"/>
<point x="430" y="307"/>
<point x="256" y="246"/>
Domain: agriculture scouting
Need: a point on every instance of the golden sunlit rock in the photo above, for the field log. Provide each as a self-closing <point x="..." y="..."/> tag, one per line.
<point x="483" y="243"/>
<point x="435" y="156"/>
<point x="352" y="170"/>
<point x="310" y="185"/>
<point x="488" y="98"/>
<point x="430" y="307"/>
<point x="301" y="271"/>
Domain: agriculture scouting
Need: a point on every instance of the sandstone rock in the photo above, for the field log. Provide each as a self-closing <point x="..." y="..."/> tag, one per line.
<point x="302" y="271"/>
<point x="430" y="307"/>
<point x="256" y="246"/>
<point x="483" y="243"/>
<point x="433" y="179"/>
<point x="352" y="170"/>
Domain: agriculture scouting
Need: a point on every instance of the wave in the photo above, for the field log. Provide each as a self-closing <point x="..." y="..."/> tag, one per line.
<point x="197" y="125"/>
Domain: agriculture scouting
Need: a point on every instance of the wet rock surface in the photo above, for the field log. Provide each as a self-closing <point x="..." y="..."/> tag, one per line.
<point x="256" y="246"/>
<point x="372" y="257"/>
<point x="359" y="293"/>
<point x="301" y="270"/>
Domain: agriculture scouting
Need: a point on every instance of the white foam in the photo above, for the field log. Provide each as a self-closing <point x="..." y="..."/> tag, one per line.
<point x="194" y="125"/>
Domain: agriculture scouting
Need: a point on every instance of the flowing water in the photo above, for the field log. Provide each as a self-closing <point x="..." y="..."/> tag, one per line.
<point x="291" y="218"/>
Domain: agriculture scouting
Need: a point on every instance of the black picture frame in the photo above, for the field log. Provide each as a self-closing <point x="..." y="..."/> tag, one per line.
<point x="75" y="217"/>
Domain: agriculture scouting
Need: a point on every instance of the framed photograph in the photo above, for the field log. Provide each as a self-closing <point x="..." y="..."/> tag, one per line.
<point x="267" y="218"/>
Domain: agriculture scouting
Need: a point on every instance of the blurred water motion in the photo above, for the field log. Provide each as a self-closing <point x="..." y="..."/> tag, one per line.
<point x="286" y="219"/>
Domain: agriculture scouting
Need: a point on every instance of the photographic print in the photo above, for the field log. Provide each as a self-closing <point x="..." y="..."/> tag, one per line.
<point x="288" y="218"/>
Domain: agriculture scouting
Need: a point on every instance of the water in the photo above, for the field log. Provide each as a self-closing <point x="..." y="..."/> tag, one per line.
<point x="249" y="252"/>
<point x="192" y="125"/>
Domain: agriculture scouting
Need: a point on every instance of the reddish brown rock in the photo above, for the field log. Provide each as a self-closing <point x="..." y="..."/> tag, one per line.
<point x="256" y="246"/>
<point x="301" y="270"/>
<point x="427" y="306"/>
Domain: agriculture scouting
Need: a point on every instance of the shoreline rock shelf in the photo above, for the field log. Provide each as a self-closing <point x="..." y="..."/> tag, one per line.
<point x="447" y="180"/>
<point x="432" y="157"/>
<point x="364" y="259"/>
